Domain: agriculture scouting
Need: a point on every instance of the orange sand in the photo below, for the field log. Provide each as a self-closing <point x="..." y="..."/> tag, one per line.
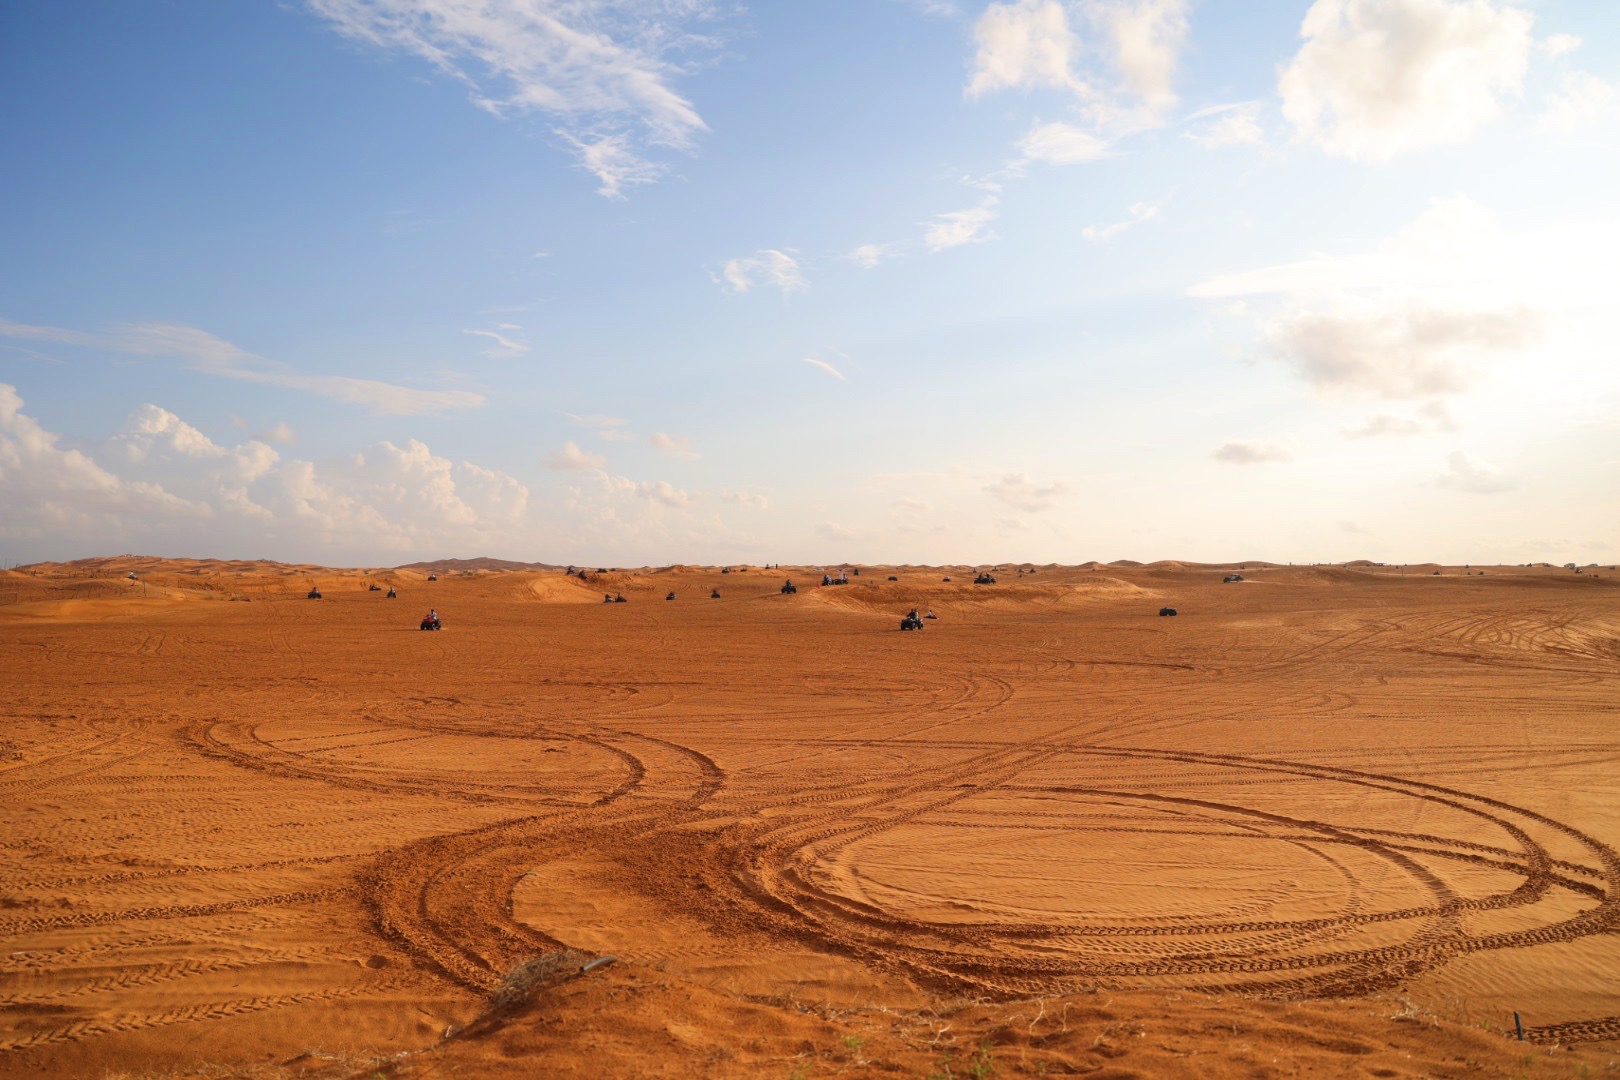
<point x="1326" y="821"/>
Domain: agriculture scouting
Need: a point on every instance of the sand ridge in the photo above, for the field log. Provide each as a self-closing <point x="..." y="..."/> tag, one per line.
<point x="228" y="823"/>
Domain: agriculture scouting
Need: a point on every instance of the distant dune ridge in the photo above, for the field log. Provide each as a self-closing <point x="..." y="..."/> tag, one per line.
<point x="1339" y="820"/>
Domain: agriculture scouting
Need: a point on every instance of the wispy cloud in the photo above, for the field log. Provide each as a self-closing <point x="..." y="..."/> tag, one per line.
<point x="958" y="227"/>
<point x="749" y="499"/>
<point x="1062" y="144"/>
<point x="204" y="352"/>
<point x="504" y="346"/>
<point x="765" y="267"/>
<point x="600" y="67"/>
<point x="828" y="368"/>
<point x="1250" y="452"/>
<point x="1139" y="212"/>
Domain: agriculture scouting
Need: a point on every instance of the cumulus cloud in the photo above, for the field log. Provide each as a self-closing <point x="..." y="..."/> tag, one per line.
<point x="161" y="481"/>
<point x="1027" y="44"/>
<point x="1465" y="473"/>
<point x="749" y="499"/>
<point x="673" y="445"/>
<point x="212" y="355"/>
<point x="1428" y="312"/>
<point x="1062" y="144"/>
<point x="280" y="433"/>
<point x="958" y="227"/>
<point x="570" y="458"/>
<point x="665" y="493"/>
<point x="601" y="68"/>
<point x="1018" y="491"/>
<point x="1396" y="351"/>
<point x="50" y="491"/>
<point x="1145" y="39"/>
<point x="1558" y="44"/>
<point x="1378" y="78"/>
<point x="1138" y="213"/>
<point x="828" y="368"/>
<point x="766" y="267"/>
<point x="1249" y="452"/>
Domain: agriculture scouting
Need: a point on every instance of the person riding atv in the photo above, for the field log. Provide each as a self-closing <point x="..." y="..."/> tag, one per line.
<point x="430" y="621"/>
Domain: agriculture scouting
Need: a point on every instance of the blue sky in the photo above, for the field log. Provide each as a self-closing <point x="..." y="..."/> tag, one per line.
<point x="642" y="281"/>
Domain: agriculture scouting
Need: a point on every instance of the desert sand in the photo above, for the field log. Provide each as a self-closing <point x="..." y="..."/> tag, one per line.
<point x="1326" y="821"/>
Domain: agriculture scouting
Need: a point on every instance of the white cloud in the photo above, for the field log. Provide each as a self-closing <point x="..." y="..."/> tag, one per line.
<point x="673" y="445"/>
<point x="828" y="368"/>
<point x="1559" y="44"/>
<point x="832" y="530"/>
<point x="1026" y="44"/>
<point x="958" y="227"/>
<point x="599" y="66"/>
<point x="869" y="255"/>
<point x="765" y="267"/>
<point x="609" y="158"/>
<point x="504" y="346"/>
<point x="1432" y="309"/>
<point x="215" y="356"/>
<point x="1379" y="78"/>
<point x="1139" y="212"/>
<point x="162" y="482"/>
<point x="939" y="9"/>
<point x="1062" y="144"/>
<point x="1018" y="491"/>
<point x="1145" y="38"/>
<point x="1583" y="101"/>
<point x="1432" y="418"/>
<point x="665" y="493"/>
<point x="1231" y="125"/>
<point x="569" y="457"/>
<point x="746" y="498"/>
<point x="1249" y="452"/>
<point x="611" y="428"/>
<point x="1465" y="473"/>
<point x="280" y="433"/>
<point x="1396" y="350"/>
<point x="49" y="491"/>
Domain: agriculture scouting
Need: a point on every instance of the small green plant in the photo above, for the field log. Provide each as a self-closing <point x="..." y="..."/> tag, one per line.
<point x="982" y="1064"/>
<point x="853" y="1043"/>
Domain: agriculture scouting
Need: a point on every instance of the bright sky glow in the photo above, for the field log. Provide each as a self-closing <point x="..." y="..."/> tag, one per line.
<point x="644" y="281"/>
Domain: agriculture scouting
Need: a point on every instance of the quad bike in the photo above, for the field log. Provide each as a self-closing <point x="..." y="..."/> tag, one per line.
<point x="911" y="622"/>
<point x="431" y="624"/>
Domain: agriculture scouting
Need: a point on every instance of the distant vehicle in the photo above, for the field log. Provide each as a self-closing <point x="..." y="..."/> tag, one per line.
<point x="314" y="594"/>
<point x="1167" y="611"/>
<point x="431" y="622"/>
<point x="984" y="579"/>
<point x="433" y="577"/>
<point x="893" y="578"/>
<point x="391" y="593"/>
<point x="671" y="595"/>
<point x="911" y="622"/>
<point x="789" y="587"/>
<point x="1229" y="578"/>
<point x="714" y="594"/>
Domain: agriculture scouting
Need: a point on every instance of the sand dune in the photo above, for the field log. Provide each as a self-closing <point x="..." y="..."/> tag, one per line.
<point x="1336" y="820"/>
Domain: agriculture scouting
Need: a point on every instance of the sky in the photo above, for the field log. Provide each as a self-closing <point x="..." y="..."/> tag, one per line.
<point x="637" y="282"/>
